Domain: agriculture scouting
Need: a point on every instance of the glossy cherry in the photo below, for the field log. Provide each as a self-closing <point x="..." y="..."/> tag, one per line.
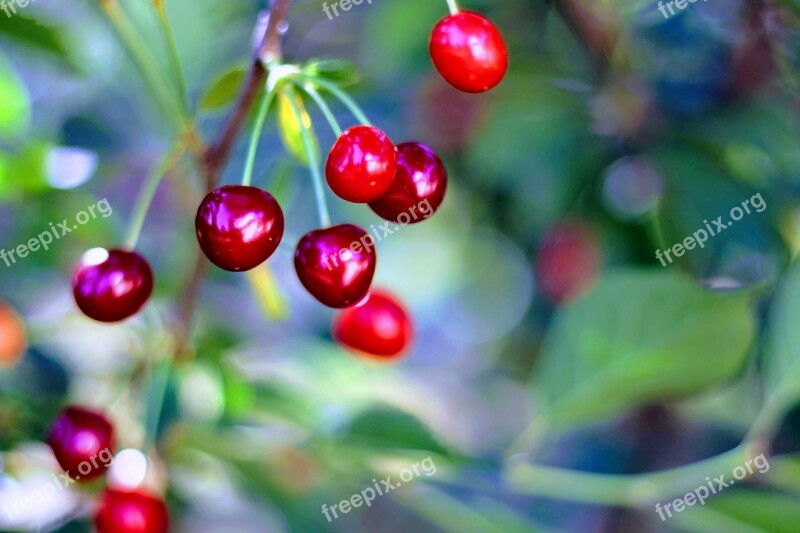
<point x="568" y="261"/>
<point x="378" y="326"/>
<point x="361" y="165"/>
<point x="336" y="264"/>
<point x="469" y="52"/>
<point x="131" y="512"/>
<point x="239" y="227"/>
<point x="418" y="188"/>
<point x="82" y="440"/>
<point x="112" y="285"/>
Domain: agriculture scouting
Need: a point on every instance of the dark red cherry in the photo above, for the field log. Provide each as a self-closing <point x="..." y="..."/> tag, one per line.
<point x="131" y="512"/>
<point x="361" y="164"/>
<point x="418" y="188"/>
<point x="112" y="285"/>
<point x="469" y="52"/>
<point x="239" y="227"/>
<point x="336" y="265"/>
<point x="568" y="261"/>
<point x="378" y="326"/>
<point x="82" y="440"/>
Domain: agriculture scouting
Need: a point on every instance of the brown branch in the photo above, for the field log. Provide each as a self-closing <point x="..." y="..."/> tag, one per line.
<point x="267" y="50"/>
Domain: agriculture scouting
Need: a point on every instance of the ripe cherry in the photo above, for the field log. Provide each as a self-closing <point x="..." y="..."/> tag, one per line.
<point x="13" y="339"/>
<point x="361" y="165"/>
<point x="112" y="285"/>
<point x="79" y="437"/>
<point x="568" y="261"/>
<point x="239" y="227"/>
<point x="378" y="326"/>
<point x="336" y="264"/>
<point x="419" y="184"/>
<point x="131" y="512"/>
<point x="469" y="52"/>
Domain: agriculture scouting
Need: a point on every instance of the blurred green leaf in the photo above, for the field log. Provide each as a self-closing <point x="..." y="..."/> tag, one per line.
<point x="343" y="73"/>
<point x="268" y="293"/>
<point x="638" y="337"/>
<point x="383" y="426"/>
<point x="224" y="90"/>
<point x="770" y="512"/>
<point x="782" y="358"/>
<point x="24" y="172"/>
<point x="34" y="34"/>
<point x="14" y="104"/>
<point x="291" y="128"/>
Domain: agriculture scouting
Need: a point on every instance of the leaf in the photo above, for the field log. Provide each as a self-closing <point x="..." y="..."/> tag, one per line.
<point x="343" y="73"/>
<point x="388" y="427"/>
<point x="224" y="90"/>
<point x="639" y="337"/>
<point x="782" y="357"/>
<point x="267" y="293"/>
<point x="14" y="104"/>
<point x="33" y="34"/>
<point x="291" y="129"/>
<point x="24" y="172"/>
<point x="769" y="512"/>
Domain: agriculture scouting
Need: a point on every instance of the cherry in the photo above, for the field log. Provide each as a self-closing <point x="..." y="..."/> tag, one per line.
<point x="361" y="165"/>
<point x="13" y="339"/>
<point x="131" y="512"/>
<point x="336" y="264"/>
<point x="378" y="326"/>
<point x="112" y="285"/>
<point x="568" y="261"/>
<point x="469" y="52"/>
<point x="78" y="437"/>
<point x="239" y="227"/>
<point x="420" y="181"/>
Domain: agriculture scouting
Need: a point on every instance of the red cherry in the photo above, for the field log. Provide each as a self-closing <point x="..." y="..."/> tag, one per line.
<point x="239" y="227"/>
<point x="469" y="52"/>
<point x="131" y="512"/>
<point x="418" y="188"/>
<point x="361" y="165"/>
<point x="568" y="261"/>
<point x="336" y="265"/>
<point x="112" y="285"/>
<point x="378" y="326"/>
<point x="79" y="437"/>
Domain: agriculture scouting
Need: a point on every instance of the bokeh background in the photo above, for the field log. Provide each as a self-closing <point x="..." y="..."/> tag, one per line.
<point x="539" y="305"/>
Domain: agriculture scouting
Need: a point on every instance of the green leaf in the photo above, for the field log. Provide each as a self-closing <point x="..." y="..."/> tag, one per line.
<point x="224" y="90"/>
<point x="343" y="73"/>
<point x="24" y="172"/>
<point x="387" y="427"/>
<point x="291" y="129"/>
<point x="33" y="34"/>
<point x="639" y="337"/>
<point x="782" y="357"/>
<point x="14" y="104"/>
<point x="268" y="293"/>
<point x="769" y="512"/>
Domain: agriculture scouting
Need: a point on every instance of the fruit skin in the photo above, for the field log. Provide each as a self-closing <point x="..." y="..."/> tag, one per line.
<point x="378" y="326"/>
<point x="131" y="512"/>
<point x="568" y="261"/>
<point x="361" y="165"/>
<point x="336" y="265"/>
<point x="112" y="285"/>
<point x="469" y="52"/>
<point x="418" y="188"/>
<point x="78" y="435"/>
<point x="239" y="227"/>
<point x="13" y="340"/>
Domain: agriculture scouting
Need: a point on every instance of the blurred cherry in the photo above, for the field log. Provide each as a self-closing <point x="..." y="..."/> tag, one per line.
<point x="131" y="512"/>
<point x="78" y="437"/>
<point x="378" y="326"/>
<point x="567" y="261"/>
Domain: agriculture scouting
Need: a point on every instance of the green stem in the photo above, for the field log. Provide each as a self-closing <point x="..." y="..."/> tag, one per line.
<point x="341" y="95"/>
<point x="656" y="231"/>
<point x="453" y="6"/>
<point x="175" y="62"/>
<point x="247" y="178"/>
<point x="147" y="193"/>
<point x="313" y="165"/>
<point x="309" y="89"/>
<point x="159" y="381"/>
<point x="144" y="62"/>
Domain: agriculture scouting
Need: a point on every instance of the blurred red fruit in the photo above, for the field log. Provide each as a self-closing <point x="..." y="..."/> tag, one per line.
<point x="78" y="437"/>
<point x="131" y="512"/>
<point x="13" y="341"/>
<point x="378" y="326"/>
<point x="568" y="261"/>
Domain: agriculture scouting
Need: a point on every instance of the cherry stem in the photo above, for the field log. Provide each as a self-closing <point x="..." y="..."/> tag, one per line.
<point x="342" y="96"/>
<point x="313" y="165"/>
<point x="309" y="89"/>
<point x="147" y="194"/>
<point x="247" y="178"/>
<point x="175" y="62"/>
<point x="453" y="7"/>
